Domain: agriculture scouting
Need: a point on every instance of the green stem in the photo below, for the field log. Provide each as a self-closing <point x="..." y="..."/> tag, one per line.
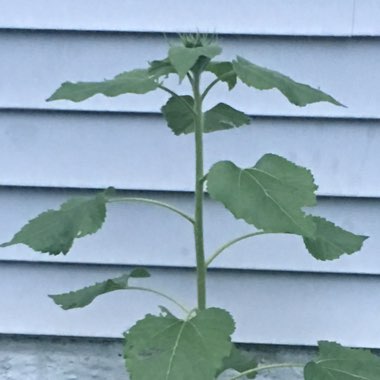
<point x="267" y="367"/>
<point x="231" y="242"/>
<point x="157" y="203"/>
<point x="199" y="184"/>
<point x="184" y="308"/>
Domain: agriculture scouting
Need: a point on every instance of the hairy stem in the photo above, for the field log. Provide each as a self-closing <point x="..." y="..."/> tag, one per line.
<point x="199" y="183"/>
<point x="157" y="203"/>
<point x="182" y="307"/>
<point x="265" y="368"/>
<point x="232" y="242"/>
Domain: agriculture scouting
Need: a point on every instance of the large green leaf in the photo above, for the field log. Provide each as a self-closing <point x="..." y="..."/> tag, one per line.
<point x="135" y="82"/>
<point x="180" y="119"/>
<point x="167" y="348"/>
<point x="239" y="361"/>
<point x="339" y="363"/>
<point x="331" y="242"/>
<point x="85" y="296"/>
<point x="264" y="79"/>
<point x="269" y="195"/>
<point x="184" y="58"/>
<point x="54" y="231"/>
<point x="224" y="71"/>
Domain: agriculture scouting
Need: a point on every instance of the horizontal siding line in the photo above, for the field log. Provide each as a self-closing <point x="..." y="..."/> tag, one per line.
<point x="363" y="119"/>
<point x="164" y="191"/>
<point x="185" y="268"/>
<point x="341" y="36"/>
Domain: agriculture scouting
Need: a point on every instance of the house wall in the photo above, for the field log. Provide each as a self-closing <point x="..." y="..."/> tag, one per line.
<point x="50" y="151"/>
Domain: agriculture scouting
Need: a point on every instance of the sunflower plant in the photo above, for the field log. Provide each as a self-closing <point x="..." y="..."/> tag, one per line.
<point x="270" y="195"/>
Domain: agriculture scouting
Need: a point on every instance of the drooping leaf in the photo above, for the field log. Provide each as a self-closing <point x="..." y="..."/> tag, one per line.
<point x="180" y="119"/>
<point x="134" y="82"/>
<point x="239" y="361"/>
<point x="223" y="116"/>
<point x="85" y="296"/>
<point x="262" y="78"/>
<point x="224" y="71"/>
<point x="269" y="195"/>
<point x="165" y="347"/>
<point x="184" y="58"/>
<point x="331" y="242"/>
<point x="178" y="116"/>
<point x="340" y="363"/>
<point x="54" y="231"/>
<point x="160" y="68"/>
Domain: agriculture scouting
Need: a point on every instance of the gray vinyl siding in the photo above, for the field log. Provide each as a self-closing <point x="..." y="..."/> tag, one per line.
<point x="278" y="293"/>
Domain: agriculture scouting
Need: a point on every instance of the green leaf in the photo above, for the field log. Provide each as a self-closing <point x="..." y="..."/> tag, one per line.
<point x="165" y="347"/>
<point x="134" y="82"/>
<point x="269" y="195"/>
<point x="239" y="361"/>
<point x="224" y="71"/>
<point x="223" y="116"/>
<point x="85" y="296"/>
<point x="181" y="120"/>
<point x="54" y="231"/>
<point x="161" y="68"/>
<point x="184" y="58"/>
<point x="331" y="242"/>
<point x="264" y="79"/>
<point x="178" y="116"/>
<point x="339" y="363"/>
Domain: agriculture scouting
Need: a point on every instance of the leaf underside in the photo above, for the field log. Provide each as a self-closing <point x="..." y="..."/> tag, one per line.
<point x="54" y="231"/>
<point x="269" y="195"/>
<point x="224" y="71"/>
<point x="165" y="347"/>
<point x="137" y="81"/>
<point x="331" y="242"/>
<point x="85" y="296"/>
<point x="184" y="58"/>
<point x="339" y="363"/>
<point x="181" y="120"/>
<point x="262" y="78"/>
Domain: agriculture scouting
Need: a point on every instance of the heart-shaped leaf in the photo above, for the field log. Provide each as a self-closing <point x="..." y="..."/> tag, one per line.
<point x="165" y="347"/>
<point x="85" y="296"/>
<point x="269" y="195"/>
<point x="54" y="231"/>
<point x="339" y="363"/>
<point x="264" y="79"/>
<point x="135" y="82"/>
<point x="224" y="71"/>
<point x="330" y="242"/>
<point x="184" y="58"/>
<point x="180" y="119"/>
<point x="160" y="68"/>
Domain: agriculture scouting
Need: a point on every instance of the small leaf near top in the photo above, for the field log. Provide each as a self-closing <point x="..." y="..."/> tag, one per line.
<point x="165" y="347"/>
<point x="224" y="71"/>
<point x="239" y="361"/>
<point x="269" y="195"/>
<point x="184" y="58"/>
<point x="331" y="242"/>
<point x="264" y="79"/>
<point x="340" y="363"/>
<point x="134" y="82"/>
<point x="181" y="120"/>
<point x="85" y="296"/>
<point x="54" y="231"/>
<point x="161" y="68"/>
